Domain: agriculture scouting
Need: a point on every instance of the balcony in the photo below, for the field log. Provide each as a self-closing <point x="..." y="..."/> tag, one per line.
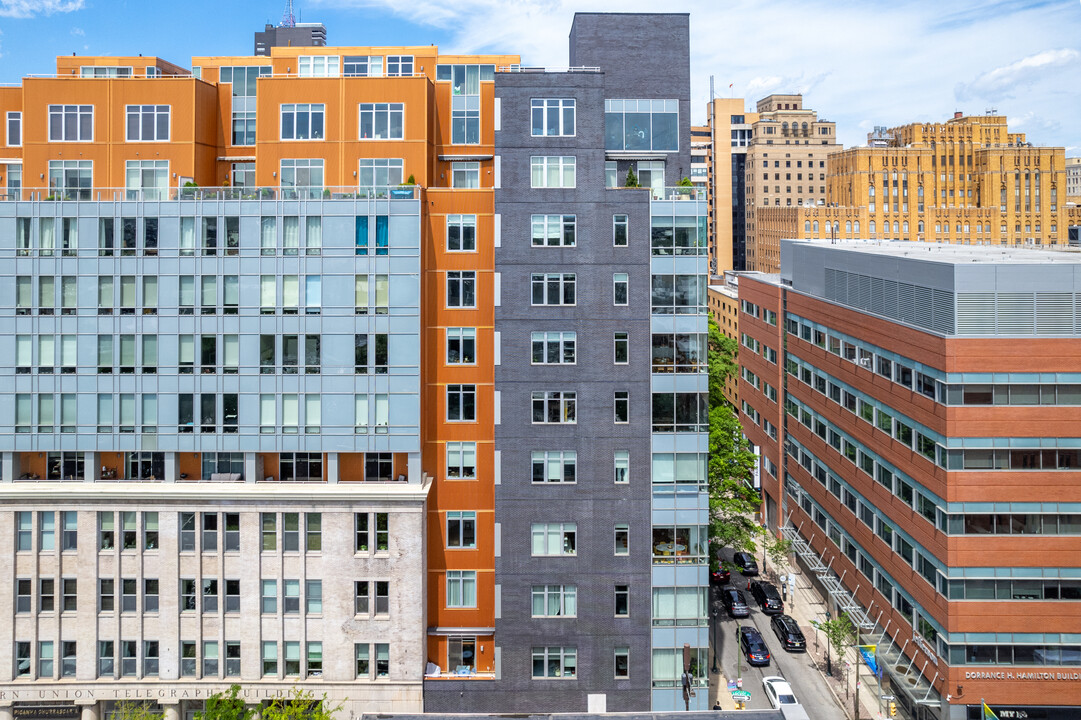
<point x="166" y="194"/>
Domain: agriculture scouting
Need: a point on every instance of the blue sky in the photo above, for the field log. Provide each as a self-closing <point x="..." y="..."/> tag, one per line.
<point x="858" y="63"/>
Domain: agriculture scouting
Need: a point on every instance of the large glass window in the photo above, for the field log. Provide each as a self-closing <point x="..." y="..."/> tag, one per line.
<point x="382" y="121"/>
<point x="302" y="121"/>
<point x="146" y="179"/>
<point x="380" y="173"/>
<point x="148" y="123"/>
<point x="552" y="117"/>
<point x="71" y="123"/>
<point x="71" y="179"/>
<point x="301" y="178"/>
<point x="552" y="171"/>
<point x="641" y="125"/>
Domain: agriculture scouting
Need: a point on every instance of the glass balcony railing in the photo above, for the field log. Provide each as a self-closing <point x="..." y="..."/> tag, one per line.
<point x="308" y="192"/>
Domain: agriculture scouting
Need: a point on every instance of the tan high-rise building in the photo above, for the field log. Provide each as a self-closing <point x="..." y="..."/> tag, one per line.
<point x="730" y="137"/>
<point x="1073" y="179"/>
<point x="967" y="180"/>
<point x="786" y="166"/>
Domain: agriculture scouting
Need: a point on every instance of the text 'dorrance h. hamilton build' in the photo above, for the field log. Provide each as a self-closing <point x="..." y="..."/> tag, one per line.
<point x="355" y="369"/>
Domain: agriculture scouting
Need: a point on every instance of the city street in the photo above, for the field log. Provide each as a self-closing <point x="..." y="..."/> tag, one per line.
<point x="807" y="681"/>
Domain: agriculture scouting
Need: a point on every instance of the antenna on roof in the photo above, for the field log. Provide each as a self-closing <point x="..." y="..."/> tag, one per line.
<point x="288" y="19"/>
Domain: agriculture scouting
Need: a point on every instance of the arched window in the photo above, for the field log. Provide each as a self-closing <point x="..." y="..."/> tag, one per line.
<point x="836" y="226"/>
<point x="919" y="227"/>
<point x="804" y="129"/>
<point x="856" y="228"/>
<point x="816" y="227"/>
<point x="938" y="228"/>
<point x="896" y="229"/>
<point x="872" y="228"/>
<point x="806" y="226"/>
<point x="848" y="227"/>
<point x="784" y="128"/>
<point x="904" y="227"/>
<point x="871" y="191"/>
<point x="958" y="228"/>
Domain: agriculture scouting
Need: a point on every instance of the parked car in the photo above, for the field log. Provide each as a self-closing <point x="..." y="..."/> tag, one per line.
<point x="753" y="646"/>
<point x="746" y="563"/>
<point x="788" y="632"/>
<point x="778" y="691"/>
<point x="719" y="577"/>
<point x="767" y="597"/>
<point x="734" y="603"/>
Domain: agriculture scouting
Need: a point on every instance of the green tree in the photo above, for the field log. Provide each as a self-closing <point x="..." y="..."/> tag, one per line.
<point x="134" y="710"/>
<point x="632" y="179"/>
<point x="732" y="499"/>
<point x="226" y="706"/>
<point x="839" y="632"/>
<point x="300" y="704"/>
<point x="777" y="550"/>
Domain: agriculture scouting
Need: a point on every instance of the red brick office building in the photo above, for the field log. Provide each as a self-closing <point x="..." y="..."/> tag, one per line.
<point x="918" y="413"/>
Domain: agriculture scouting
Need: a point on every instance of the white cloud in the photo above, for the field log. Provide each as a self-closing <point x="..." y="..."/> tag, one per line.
<point x="78" y="32"/>
<point x="872" y="63"/>
<point x="1002" y="81"/>
<point x="30" y="8"/>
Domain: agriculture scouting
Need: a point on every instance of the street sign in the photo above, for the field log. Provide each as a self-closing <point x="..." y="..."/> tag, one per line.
<point x="741" y="694"/>
<point x="887" y="697"/>
<point x="732" y="685"/>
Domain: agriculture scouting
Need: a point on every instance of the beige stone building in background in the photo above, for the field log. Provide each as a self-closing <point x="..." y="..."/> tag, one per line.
<point x="968" y="180"/>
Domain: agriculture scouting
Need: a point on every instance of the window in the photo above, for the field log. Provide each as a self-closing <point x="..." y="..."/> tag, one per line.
<point x="210" y="595"/>
<point x="106" y="658"/>
<point x="314" y="659"/>
<point x="67" y="658"/>
<point x="554" y="406"/>
<point x="71" y="180"/>
<point x="641" y="125"/>
<point x="622" y="466"/>
<point x="301" y="178"/>
<point x="552" y="117"/>
<point x="148" y="123"/>
<point x="622" y="406"/>
<point x="210" y="659"/>
<point x="622" y="657"/>
<point x="23" y="599"/>
<point x="678" y="294"/>
<point x="399" y="65"/>
<point x="317" y="66"/>
<point x="619" y="230"/>
<point x="270" y="658"/>
<point x="553" y="289"/>
<point x="553" y="348"/>
<point x="129" y="595"/>
<point x="461" y="588"/>
<point x="465" y="174"/>
<point x="461" y="288"/>
<point x="107" y="596"/>
<point x="313" y="525"/>
<point x="555" y="466"/>
<point x="461" y="529"/>
<point x="313" y="597"/>
<point x="363" y="66"/>
<point x="552" y="171"/>
<point x="382" y="121"/>
<point x="619" y="288"/>
<point x="291" y="597"/>
<point x="128" y="657"/>
<point x="106" y="530"/>
<point x="462" y="233"/>
<point x="555" y="662"/>
<point x="555" y="601"/>
<point x="554" y="539"/>
<point x="379" y="173"/>
<point x="71" y="123"/>
<point x="150" y="595"/>
<point x="146" y="180"/>
<point x="554" y="230"/>
<point x="46" y="594"/>
<point x="22" y="659"/>
<point x="461" y="403"/>
<point x="461" y="346"/>
<point x="462" y="461"/>
<point x="14" y="129"/>
<point x="46" y="528"/>
<point x="622" y="540"/>
<point x="150" y="658"/>
<point x="621" y="348"/>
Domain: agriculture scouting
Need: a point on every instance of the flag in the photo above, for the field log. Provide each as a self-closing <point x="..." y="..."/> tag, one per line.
<point x="988" y="713"/>
<point x="730" y="85"/>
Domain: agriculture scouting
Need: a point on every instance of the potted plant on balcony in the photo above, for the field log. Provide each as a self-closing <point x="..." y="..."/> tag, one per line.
<point x="632" y="179"/>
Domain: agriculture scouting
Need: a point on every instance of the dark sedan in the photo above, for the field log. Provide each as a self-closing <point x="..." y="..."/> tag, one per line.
<point x="719" y="577"/>
<point x="734" y="603"/>
<point x="746" y="563"/>
<point x="767" y="597"/>
<point x="753" y="646"/>
<point x="788" y="632"/>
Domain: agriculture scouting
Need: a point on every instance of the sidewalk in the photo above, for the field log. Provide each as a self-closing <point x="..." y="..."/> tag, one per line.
<point x="806" y="605"/>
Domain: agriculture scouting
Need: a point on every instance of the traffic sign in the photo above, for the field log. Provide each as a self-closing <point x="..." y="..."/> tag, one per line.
<point x="741" y="694"/>
<point x="887" y="697"/>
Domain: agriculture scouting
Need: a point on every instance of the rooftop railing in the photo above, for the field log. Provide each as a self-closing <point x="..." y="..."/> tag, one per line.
<point x="303" y="192"/>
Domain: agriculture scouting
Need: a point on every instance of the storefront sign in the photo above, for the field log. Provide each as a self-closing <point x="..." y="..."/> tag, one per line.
<point x="45" y="712"/>
<point x="10" y="694"/>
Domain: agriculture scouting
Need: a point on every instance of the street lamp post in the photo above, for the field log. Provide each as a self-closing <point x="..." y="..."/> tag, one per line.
<point x="716" y="645"/>
<point x="829" y="667"/>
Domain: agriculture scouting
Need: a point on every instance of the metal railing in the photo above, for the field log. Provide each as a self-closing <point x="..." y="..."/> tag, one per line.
<point x="305" y="192"/>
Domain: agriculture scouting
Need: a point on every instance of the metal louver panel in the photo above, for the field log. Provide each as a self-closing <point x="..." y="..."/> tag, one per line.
<point x="922" y="306"/>
<point x="976" y="313"/>
<point x="1054" y="313"/>
<point x="1016" y="313"/>
<point x="906" y="302"/>
<point x="942" y="311"/>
